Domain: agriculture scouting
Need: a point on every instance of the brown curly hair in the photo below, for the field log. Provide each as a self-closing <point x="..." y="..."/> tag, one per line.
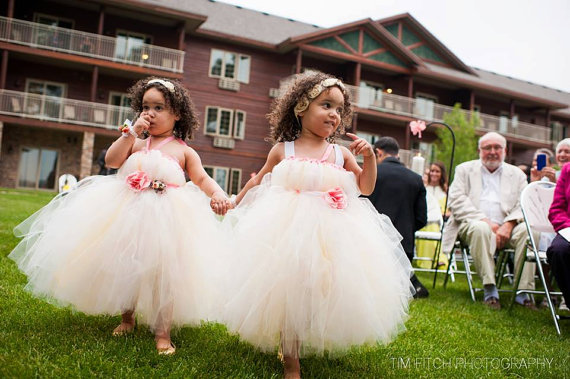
<point x="178" y="101"/>
<point x="284" y="125"/>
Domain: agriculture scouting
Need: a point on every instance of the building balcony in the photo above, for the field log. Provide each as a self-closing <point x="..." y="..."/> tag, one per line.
<point x="430" y="111"/>
<point x="90" y="45"/>
<point x="58" y="109"/>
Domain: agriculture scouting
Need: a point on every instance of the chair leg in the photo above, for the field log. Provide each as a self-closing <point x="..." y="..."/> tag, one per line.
<point x="548" y="299"/>
<point x="516" y="284"/>
<point x="468" y="273"/>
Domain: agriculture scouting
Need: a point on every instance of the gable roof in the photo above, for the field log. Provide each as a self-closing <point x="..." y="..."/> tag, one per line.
<point x="421" y="42"/>
<point x="363" y="41"/>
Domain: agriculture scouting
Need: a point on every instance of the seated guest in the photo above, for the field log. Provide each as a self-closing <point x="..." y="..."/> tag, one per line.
<point x="486" y="215"/>
<point x="554" y="162"/>
<point x="436" y="188"/>
<point x="558" y="254"/>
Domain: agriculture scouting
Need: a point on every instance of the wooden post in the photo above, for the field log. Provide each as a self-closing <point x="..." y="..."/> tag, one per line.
<point x="94" y="79"/>
<point x="4" y="69"/>
<point x="472" y="101"/>
<point x="181" y="35"/>
<point x="299" y="59"/>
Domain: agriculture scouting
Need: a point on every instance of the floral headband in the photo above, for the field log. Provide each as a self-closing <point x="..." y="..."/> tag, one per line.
<point x="168" y="85"/>
<point x="306" y="99"/>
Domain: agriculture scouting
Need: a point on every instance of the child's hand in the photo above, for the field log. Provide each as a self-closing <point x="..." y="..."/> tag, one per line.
<point x="142" y="124"/>
<point x="360" y="146"/>
<point x="220" y="203"/>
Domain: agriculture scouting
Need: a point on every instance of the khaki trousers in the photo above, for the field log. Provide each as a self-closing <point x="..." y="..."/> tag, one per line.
<point x="482" y="245"/>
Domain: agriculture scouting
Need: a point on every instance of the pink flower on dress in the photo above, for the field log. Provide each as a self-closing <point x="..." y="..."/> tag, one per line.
<point x="336" y="198"/>
<point x="138" y="181"/>
<point x="417" y="127"/>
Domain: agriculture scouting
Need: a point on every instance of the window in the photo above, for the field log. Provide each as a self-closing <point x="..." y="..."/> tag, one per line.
<point x="225" y="122"/>
<point x="49" y="104"/>
<point x="425" y="105"/>
<point x="370" y="94"/>
<point x="227" y="178"/>
<point x="369" y="137"/>
<point x="131" y="46"/>
<point x="120" y="100"/>
<point x="38" y="168"/>
<point x="503" y="122"/>
<point x="48" y="35"/>
<point x="224" y="64"/>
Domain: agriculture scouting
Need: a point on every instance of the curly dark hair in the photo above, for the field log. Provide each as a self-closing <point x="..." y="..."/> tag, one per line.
<point x="178" y="101"/>
<point x="284" y="125"/>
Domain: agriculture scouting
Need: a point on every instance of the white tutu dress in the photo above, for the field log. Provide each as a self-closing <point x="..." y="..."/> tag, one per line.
<point x="314" y="264"/>
<point x="115" y="244"/>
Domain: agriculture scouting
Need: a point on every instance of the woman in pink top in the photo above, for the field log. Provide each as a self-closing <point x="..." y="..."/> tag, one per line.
<point x="558" y="253"/>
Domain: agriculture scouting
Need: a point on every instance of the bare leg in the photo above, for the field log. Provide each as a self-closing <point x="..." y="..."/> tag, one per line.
<point x="291" y="364"/>
<point x="292" y="367"/>
<point x="164" y="344"/>
<point x="127" y="324"/>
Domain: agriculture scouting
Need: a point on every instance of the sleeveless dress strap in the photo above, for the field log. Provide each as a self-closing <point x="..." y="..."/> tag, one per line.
<point x="327" y="153"/>
<point x="339" y="160"/>
<point x="289" y="149"/>
<point x="160" y="144"/>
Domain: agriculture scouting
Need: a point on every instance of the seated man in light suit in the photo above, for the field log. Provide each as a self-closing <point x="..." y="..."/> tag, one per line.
<point x="486" y="215"/>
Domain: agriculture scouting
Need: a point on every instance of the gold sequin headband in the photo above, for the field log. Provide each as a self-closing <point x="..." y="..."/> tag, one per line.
<point x="306" y="99"/>
<point x="168" y="85"/>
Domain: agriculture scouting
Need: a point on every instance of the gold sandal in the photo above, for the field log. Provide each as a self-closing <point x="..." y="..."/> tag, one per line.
<point x="170" y="350"/>
<point x="122" y="332"/>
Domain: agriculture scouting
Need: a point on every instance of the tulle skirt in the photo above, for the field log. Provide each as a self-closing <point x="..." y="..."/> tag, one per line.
<point x="105" y="249"/>
<point x="313" y="278"/>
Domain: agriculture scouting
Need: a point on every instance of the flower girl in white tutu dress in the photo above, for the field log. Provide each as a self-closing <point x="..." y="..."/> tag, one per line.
<point x="138" y="241"/>
<point x="316" y="267"/>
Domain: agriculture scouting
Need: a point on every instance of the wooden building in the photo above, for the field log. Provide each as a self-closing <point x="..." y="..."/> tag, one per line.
<point x="65" y="67"/>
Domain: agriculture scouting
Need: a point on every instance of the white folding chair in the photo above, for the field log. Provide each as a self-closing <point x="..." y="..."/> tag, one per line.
<point x="433" y="216"/>
<point x="536" y="199"/>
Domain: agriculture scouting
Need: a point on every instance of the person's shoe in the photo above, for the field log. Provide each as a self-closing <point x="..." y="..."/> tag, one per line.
<point x="563" y="307"/>
<point x="492" y="303"/>
<point x="528" y="303"/>
<point x="421" y="291"/>
<point x="169" y="350"/>
<point x="123" y="329"/>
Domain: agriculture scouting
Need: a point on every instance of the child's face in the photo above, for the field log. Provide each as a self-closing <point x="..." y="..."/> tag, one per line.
<point x="323" y="115"/>
<point x="160" y="116"/>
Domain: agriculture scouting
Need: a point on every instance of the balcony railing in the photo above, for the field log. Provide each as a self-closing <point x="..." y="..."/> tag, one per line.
<point x="58" y="109"/>
<point x="430" y="111"/>
<point x="89" y="44"/>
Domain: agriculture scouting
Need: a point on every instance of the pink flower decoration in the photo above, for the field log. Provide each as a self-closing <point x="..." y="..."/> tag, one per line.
<point x="138" y="180"/>
<point x="336" y="198"/>
<point x="417" y="127"/>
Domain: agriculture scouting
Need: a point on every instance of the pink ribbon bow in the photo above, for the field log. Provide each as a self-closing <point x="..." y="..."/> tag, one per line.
<point x="138" y="181"/>
<point x="336" y="198"/>
<point x="417" y="127"/>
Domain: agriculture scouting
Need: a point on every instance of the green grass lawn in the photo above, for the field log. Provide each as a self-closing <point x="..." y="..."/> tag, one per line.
<point x="447" y="336"/>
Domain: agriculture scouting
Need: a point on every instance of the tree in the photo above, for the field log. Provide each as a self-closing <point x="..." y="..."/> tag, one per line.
<point x="465" y="138"/>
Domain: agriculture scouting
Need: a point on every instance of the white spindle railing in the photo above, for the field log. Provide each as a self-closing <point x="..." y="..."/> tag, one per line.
<point x="57" y="109"/>
<point x="89" y="44"/>
<point x="429" y="111"/>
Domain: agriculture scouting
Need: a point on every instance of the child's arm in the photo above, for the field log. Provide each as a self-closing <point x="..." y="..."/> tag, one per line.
<point x="219" y="201"/>
<point x="276" y="155"/>
<point x="122" y="148"/>
<point x="365" y="176"/>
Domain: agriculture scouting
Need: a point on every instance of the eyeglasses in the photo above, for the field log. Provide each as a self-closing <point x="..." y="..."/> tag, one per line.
<point x="492" y="147"/>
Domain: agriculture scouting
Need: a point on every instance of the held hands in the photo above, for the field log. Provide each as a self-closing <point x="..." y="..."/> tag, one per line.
<point x="548" y="172"/>
<point x="360" y="146"/>
<point x="220" y="203"/>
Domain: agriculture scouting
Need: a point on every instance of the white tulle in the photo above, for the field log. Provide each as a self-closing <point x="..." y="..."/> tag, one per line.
<point x="105" y="248"/>
<point x="308" y="274"/>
